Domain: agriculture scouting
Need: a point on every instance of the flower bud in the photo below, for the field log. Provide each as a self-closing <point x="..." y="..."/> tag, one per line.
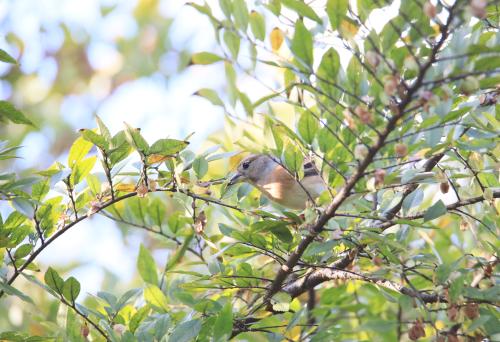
<point x="471" y="310"/>
<point x="372" y="58"/>
<point x="453" y="312"/>
<point x="119" y="329"/>
<point x="85" y="331"/>
<point x="416" y="331"/>
<point x="142" y="190"/>
<point x="444" y="187"/>
<point x="478" y="8"/>
<point x="360" y="152"/>
<point x="390" y="85"/>
<point x="401" y="150"/>
<point x="379" y="176"/>
<point x="364" y="114"/>
<point x="430" y="10"/>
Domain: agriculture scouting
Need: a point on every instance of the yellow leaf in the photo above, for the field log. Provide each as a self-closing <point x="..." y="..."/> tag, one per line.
<point x="184" y="180"/>
<point x="277" y="38"/>
<point x="157" y="158"/>
<point x="440" y="325"/>
<point x="125" y="187"/>
<point x="348" y="28"/>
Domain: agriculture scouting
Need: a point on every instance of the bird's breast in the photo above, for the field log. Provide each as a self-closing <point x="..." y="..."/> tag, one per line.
<point x="282" y="188"/>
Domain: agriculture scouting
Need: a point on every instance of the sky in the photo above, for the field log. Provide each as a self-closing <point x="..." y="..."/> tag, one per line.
<point x="161" y="110"/>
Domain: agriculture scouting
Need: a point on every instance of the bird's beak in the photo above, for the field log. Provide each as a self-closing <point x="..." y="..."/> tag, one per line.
<point x="236" y="178"/>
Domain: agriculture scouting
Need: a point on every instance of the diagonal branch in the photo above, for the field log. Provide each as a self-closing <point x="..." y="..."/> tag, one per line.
<point x="344" y="192"/>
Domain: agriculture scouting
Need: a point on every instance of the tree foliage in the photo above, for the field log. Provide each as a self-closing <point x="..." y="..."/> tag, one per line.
<point x="403" y="123"/>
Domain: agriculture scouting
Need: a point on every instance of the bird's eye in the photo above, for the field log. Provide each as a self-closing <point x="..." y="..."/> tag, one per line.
<point x="245" y="164"/>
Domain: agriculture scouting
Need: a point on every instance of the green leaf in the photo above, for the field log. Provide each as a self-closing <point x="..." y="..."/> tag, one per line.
<point x="10" y="290"/>
<point x="326" y="140"/>
<point x="224" y="323"/>
<point x="226" y="7"/>
<point x="211" y="95"/>
<point x="293" y="159"/>
<point x="94" y="184"/>
<point x="147" y="266"/>
<point x="336" y="10"/>
<point x="167" y="147"/>
<point x="154" y="296"/>
<point x="302" y="46"/>
<point x="436" y="210"/>
<point x="443" y="272"/>
<point x="205" y="58"/>
<point x="258" y="25"/>
<point x="24" y="206"/>
<point x="232" y="41"/>
<point x="200" y="166"/>
<point x="95" y="139"/>
<point x="282" y="233"/>
<point x="302" y="9"/>
<point x="134" y="137"/>
<point x="78" y="151"/>
<point x="240" y="13"/>
<point x="9" y="112"/>
<point x="478" y="322"/>
<point x="274" y="6"/>
<point x="23" y="251"/>
<point x="71" y="289"/>
<point x="247" y="104"/>
<point x="186" y="331"/>
<point x="119" y="148"/>
<point x="329" y="67"/>
<point x="179" y="253"/>
<point x="308" y="126"/>
<point x="365" y="7"/>
<point x="281" y="302"/>
<point x="54" y="280"/>
<point x="277" y="228"/>
<point x="103" y="130"/>
<point x="40" y="189"/>
<point x="5" y="57"/>
<point x="82" y="169"/>
<point x="138" y="317"/>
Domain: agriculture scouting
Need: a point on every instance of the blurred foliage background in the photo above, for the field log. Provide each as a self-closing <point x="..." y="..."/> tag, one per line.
<point x="123" y="60"/>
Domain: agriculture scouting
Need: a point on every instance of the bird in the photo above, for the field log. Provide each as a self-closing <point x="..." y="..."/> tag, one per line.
<point x="276" y="183"/>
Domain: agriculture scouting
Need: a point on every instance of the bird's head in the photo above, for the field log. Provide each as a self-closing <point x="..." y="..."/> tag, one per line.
<point x="252" y="168"/>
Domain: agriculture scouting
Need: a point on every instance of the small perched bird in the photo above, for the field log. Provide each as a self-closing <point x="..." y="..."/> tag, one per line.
<point x="276" y="183"/>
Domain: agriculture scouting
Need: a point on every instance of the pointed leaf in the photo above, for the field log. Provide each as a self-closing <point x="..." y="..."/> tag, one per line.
<point x="258" y="25"/>
<point x="336" y="10"/>
<point x="186" y="331"/>
<point x="9" y="112"/>
<point x="54" y="280"/>
<point x="308" y="126"/>
<point x="5" y="57"/>
<point x="147" y="266"/>
<point x="224" y="323"/>
<point x="154" y="296"/>
<point x="167" y="147"/>
<point x="302" y="46"/>
<point x="205" y="58"/>
<point x="71" y="289"/>
<point x="436" y="210"/>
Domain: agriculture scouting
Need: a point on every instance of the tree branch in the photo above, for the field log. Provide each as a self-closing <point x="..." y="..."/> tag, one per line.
<point x="321" y="275"/>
